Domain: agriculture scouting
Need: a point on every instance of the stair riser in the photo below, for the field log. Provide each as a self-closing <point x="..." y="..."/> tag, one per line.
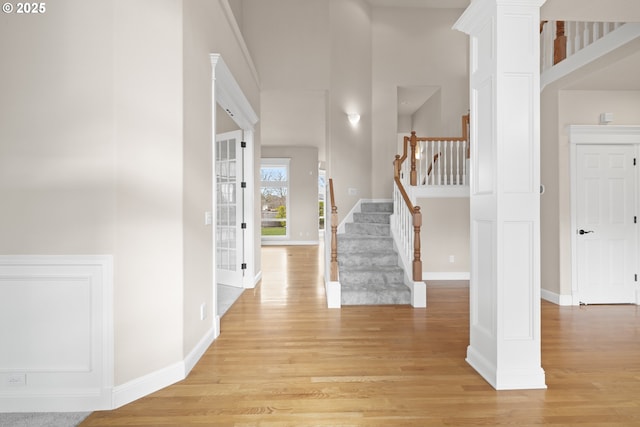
<point x="355" y="245"/>
<point x="373" y="298"/>
<point x="367" y="260"/>
<point x="368" y="229"/>
<point x="376" y="207"/>
<point x="370" y="277"/>
<point x="371" y="218"/>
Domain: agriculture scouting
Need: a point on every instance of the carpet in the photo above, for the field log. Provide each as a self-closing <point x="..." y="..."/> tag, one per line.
<point x="43" y="419"/>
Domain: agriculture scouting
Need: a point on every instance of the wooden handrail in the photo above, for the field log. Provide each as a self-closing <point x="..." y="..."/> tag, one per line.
<point x="416" y="220"/>
<point x="334" y="235"/>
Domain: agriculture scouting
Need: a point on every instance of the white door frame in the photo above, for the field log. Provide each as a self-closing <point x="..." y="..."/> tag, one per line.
<point x="226" y="92"/>
<point x="599" y="135"/>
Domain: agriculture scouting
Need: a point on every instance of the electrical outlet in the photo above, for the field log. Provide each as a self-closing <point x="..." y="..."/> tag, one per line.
<point x="16" y="379"/>
<point x="452" y="258"/>
<point x="203" y="311"/>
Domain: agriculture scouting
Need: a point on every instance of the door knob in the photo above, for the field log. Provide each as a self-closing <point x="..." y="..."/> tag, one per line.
<point x="581" y="231"/>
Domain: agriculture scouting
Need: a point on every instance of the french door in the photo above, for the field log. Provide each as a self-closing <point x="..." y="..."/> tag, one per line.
<point x="606" y="234"/>
<point x="230" y="207"/>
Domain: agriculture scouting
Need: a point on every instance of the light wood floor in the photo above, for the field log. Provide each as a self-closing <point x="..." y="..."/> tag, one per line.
<point x="283" y="359"/>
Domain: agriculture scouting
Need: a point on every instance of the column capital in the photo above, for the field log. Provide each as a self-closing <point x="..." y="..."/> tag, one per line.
<point x="480" y="10"/>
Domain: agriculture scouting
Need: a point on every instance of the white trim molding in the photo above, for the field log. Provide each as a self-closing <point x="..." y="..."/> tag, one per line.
<point x="446" y="275"/>
<point x="60" y="308"/>
<point x="603" y="134"/>
<point x="585" y="135"/>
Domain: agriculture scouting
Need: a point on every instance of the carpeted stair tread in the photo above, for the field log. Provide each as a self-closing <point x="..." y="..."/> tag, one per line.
<point x="368" y="229"/>
<point x="369" y="271"/>
<point x="371" y="217"/>
<point x="369" y="258"/>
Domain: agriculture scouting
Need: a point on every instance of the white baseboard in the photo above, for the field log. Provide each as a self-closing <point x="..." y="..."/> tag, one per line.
<point x="334" y="294"/>
<point x="290" y="242"/>
<point x="198" y="351"/>
<point x="446" y="275"/>
<point x="257" y="278"/>
<point x="556" y="298"/>
<point x="147" y="384"/>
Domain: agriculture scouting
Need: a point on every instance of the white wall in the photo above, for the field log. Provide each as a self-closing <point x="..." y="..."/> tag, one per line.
<point x="148" y="138"/>
<point x="106" y="149"/>
<point x="584" y="107"/>
<point x="427" y="120"/>
<point x="414" y="47"/>
<point x="57" y="150"/>
<point x="349" y="147"/>
<point x="445" y="232"/>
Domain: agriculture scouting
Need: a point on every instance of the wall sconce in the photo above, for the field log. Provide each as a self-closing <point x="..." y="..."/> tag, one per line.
<point x="354" y="118"/>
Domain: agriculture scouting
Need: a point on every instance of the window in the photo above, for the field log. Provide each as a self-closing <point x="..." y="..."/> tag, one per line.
<point x="321" y="202"/>
<point x="274" y="190"/>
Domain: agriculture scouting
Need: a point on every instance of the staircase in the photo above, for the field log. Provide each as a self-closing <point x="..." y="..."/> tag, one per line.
<point x="369" y="271"/>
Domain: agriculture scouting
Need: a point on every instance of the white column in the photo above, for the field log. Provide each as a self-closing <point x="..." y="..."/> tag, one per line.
<point x="505" y="201"/>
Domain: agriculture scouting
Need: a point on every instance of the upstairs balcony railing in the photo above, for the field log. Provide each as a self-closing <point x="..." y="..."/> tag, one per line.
<point x="436" y="161"/>
<point x="562" y="39"/>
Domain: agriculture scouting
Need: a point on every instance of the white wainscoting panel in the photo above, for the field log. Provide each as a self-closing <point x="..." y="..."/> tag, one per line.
<point x="56" y="333"/>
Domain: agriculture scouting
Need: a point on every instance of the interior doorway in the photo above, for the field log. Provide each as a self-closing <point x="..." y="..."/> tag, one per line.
<point x="234" y="249"/>
<point x="604" y="214"/>
<point x="606" y="219"/>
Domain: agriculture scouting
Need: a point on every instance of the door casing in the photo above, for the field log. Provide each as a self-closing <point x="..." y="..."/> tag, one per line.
<point x="599" y="135"/>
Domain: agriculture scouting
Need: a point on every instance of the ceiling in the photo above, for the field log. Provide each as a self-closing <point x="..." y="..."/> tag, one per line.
<point x="440" y="4"/>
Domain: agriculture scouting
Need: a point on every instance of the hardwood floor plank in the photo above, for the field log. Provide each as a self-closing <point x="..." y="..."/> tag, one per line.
<point x="284" y="359"/>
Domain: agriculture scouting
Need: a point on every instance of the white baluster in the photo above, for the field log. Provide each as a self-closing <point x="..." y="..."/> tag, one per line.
<point x="450" y="162"/>
<point x="577" y="41"/>
<point x="586" y="37"/>
<point x="597" y="31"/>
<point x="457" y="173"/>
<point x="437" y="165"/>
<point x="569" y="31"/>
<point x="464" y="163"/>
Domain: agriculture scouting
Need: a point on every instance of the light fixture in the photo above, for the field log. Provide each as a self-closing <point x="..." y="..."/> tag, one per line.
<point x="354" y="118"/>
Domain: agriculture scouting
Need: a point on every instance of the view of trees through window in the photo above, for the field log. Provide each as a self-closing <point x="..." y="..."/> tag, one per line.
<point x="274" y="189"/>
<point x="274" y="193"/>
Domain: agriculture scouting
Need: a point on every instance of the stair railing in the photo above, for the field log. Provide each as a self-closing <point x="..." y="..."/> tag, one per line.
<point x="407" y="221"/>
<point x="334" y="235"/>
<point x="437" y="161"/>
<point x="562" y="39"/>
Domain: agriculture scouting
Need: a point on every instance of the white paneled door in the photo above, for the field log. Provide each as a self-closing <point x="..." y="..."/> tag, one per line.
<point x="230" y="223"/>
<point x="606" y="221"/>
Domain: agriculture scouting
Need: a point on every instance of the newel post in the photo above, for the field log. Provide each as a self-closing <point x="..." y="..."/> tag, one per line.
<point x="396" y="167"/>
<point x="559" y="44"/>
<point x="334" y="244"/>
<point x="414" y="175"/>
<point x="417" y="262"/>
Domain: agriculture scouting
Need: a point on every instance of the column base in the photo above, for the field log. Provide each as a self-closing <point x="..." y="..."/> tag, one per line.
<point x="506" y="379"/>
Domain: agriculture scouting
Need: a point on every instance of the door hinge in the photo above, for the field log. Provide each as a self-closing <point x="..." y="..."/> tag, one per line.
<point x="635" y="277"/>
<point x="635" y="219"/>
<point x="243" y="266"/>
<point x="243" y="184"/>
<point x="243" y="225"/>
<point x="634" y="161"/>
<point x="243" y="144"/>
